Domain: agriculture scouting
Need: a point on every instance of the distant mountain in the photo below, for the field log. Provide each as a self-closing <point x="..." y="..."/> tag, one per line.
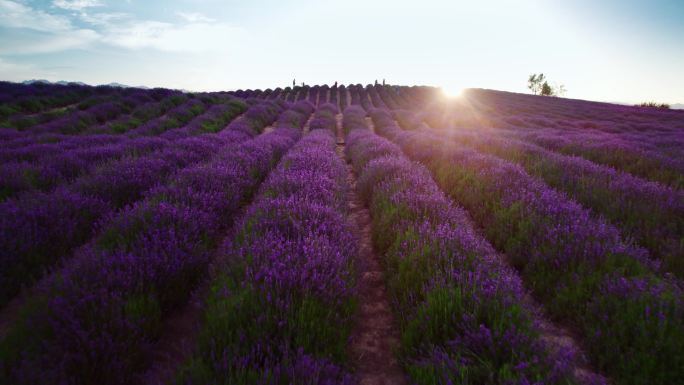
<point x="64" y="83"/>
<point x="114" y="84"/>
<point x="36" y="81"/>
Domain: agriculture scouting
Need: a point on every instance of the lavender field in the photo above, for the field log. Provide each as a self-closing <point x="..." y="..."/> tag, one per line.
<point x="338" y="235"/>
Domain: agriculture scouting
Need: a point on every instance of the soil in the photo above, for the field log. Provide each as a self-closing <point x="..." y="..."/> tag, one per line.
<point x="375" y="337"/>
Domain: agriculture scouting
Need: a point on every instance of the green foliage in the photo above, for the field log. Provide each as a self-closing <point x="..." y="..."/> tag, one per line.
<point x="639" y="340"/>
<point x="546" y="90"/>
<point x="445" y="313"/>
<point x="539" y="85"/>
<point x="6" y="111"/>
<point x="241" y="318"/>
<point x="145" y="311"/>
<point x="30" y="105"/>
<point x="635" y="352"/>
<point x="23" y="122"/>
<point x="23" y="336"/>
<point x="663" y="106"/>
<point x="535" y="81"/>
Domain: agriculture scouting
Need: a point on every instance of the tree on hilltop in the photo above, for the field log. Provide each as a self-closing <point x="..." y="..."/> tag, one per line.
<point x="538" y="84"/>
<point x="535" y="82"/>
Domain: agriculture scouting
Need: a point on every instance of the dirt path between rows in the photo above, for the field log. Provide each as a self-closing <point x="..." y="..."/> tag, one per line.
<point x="375" y="337"/>
<point x="305" y="129"/>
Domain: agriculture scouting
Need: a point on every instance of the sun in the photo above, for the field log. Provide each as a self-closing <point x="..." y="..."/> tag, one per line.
<point x="452" y="91"/>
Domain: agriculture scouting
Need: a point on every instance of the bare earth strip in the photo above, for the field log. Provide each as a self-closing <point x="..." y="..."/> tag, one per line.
<point x="375" y="338"/>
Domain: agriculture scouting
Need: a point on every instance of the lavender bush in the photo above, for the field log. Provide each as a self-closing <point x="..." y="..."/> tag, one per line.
<point x="565" y="255"/>
<point x="462" y="312"/>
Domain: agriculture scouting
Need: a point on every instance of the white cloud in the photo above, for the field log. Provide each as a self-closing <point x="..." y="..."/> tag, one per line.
<point x="194" y="17"/>
<point x="190" y="37"/>
<point x="35" y="31"/>
<point x="17" y="15"/>
<point x="76" y="5"/>
<point x="34" y="43"/>
<point x="102" y="18"/>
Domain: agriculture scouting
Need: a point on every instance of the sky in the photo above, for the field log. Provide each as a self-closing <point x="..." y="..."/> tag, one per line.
<point x="609" y="50"/>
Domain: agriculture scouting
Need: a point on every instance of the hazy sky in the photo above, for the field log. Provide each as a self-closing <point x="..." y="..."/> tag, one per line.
<point x="612" y="50"/>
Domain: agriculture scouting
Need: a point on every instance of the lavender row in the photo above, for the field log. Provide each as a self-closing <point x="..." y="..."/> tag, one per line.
<point x="43" y="167"/>
<point x="362" y="95"/>
<point x="644" y="143"/>
<point x="388" y="96"/>
<point x="463" y="317"/>
<point x="188" y="118"/>
<point x="396" y="97"/>
<point x="332" y="98"/>
<point x="280" y="309"/>
<point x="313" y="95"/>
<point x="646" y="211"/>
<point x="39" y="228"/>
<point x="324" y="118"/>
<point x="174" y="118"/>
<point x="296" y="116"/>
<point x="36" y="165"/>
<point x="214" y="119"/>
<point x="577" y="265"/>
<point x="37" y="103"/>
<point x="255" y="119"/>
<point x="90" y="113"/>
<point x="291" y="94"/>
<point x="95" y="322"/>
<point x="323" y="94"/>
<point x="138" y="116"/>
<point x="650" y="139"/>
<point x="343" y="97"/>
<point x="612" y="151"/>
<point x="303" y="94"/>
<point x="52" y="169"/>
<point x="578" y="114"/>
<point x="375" y="97"/>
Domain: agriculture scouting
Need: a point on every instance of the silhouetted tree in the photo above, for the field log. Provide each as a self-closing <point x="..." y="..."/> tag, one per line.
<point x="535" y="82"/>
<point x="663" y="106"/>
<point x="560" y="90"/>
<point x="538" y="84"/>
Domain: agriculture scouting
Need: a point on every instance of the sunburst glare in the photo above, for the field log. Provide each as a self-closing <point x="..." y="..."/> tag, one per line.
<point x="452" y="90"/>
